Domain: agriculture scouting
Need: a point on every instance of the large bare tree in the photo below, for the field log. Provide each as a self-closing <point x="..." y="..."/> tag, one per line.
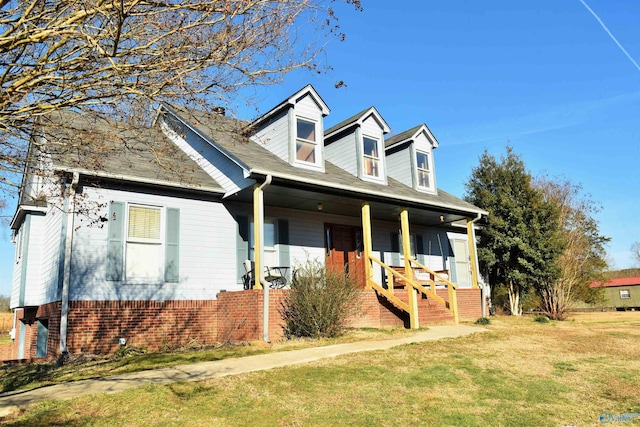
<point x="583" y="258"/>
<point x="119" y="57"/>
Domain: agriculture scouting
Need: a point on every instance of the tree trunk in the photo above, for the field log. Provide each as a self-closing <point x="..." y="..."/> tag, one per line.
<point x="514" y="299"/>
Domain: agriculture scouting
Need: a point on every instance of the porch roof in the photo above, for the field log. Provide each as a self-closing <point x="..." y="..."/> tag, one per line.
<point x="226" y="135"/>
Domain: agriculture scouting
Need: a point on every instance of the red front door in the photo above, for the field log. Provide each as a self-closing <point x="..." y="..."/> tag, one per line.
<point x="343" y="244"/>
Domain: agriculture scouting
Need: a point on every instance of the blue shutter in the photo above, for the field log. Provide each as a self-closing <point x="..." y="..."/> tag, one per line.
<point x="283" y="242"/>
<point x="452" y="261"/>
<point x="242" y="246"/>
<point x="115" y="244"/>
<point x="25" y="236"/>
<point x="41" y="340"/>
<point x="420" y="249"/>
<point x="172" y="246"/>
<point x="395" y="249"/>
<point x="21" y="342"/>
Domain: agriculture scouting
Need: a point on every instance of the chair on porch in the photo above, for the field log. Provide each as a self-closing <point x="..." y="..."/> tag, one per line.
<point x="276" y="276"/>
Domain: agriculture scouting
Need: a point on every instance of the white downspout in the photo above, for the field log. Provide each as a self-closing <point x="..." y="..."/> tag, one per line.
<point x="64" y="309"/>
<point x="483" y="290"/>
<point x="259" y="270"/>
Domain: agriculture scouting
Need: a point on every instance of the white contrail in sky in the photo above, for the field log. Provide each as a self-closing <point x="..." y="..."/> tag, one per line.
<point x="610" y="35"/>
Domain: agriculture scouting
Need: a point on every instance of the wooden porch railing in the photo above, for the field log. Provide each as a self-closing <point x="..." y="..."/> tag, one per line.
<point x="413" y="284"/>
<point x="410" y="283"/>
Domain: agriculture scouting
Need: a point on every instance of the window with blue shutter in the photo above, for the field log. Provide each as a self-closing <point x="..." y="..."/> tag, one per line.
<point x="138" y="249"/>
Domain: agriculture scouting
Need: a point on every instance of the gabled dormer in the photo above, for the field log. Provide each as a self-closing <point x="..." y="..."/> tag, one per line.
<point x="357" y="145"/>
<point x="292" y="130"/>
<point x="410" y="158"/>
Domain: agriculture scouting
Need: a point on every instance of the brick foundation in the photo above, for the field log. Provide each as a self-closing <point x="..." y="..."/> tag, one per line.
<point x="97" y="326"/>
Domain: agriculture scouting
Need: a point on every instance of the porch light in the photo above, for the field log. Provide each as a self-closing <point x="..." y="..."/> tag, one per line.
<point x="441" y="218"/>
<point x="319" y="207"/>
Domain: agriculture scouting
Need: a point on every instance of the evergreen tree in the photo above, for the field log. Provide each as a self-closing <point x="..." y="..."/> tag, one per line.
<point x="519" y="243"/>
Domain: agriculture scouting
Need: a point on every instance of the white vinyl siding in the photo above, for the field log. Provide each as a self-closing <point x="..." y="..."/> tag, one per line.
<point x="53" y="254"/>
<point x="207" y="262"/>
<point x="225" y="172"/>
<point x="275" y="136"/>
<point x="399" y="165"/>
<point x="343" y="153"/>
<point x="37" y="258"/>
<point x="412" y="163"/>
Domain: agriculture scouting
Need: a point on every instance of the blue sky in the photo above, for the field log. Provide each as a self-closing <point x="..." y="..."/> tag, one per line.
<point x="545" y="77"/>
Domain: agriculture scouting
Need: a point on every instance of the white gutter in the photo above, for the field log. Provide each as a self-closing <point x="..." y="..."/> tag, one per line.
<point x="259" y="272"/>
<point x="21" y="212"/>
<point x="326" y="184"/>
<point x="107" y="175"/>
<point x="64" y="309"/>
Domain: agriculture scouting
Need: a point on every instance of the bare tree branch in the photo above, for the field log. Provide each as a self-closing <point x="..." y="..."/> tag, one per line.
<point x="119" y="57"/>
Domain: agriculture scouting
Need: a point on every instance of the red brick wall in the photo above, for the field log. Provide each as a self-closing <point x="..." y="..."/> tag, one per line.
<point x="239" y="315"/>
<point x="6" y="352"/>
<point x="96" y="326"/>
<point x="469" y="302"/>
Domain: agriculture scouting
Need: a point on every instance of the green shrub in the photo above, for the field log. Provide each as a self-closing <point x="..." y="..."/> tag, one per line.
<point x="319" y="303"/>
<point x="483" y="321"/>
<point x="541" y="319"/>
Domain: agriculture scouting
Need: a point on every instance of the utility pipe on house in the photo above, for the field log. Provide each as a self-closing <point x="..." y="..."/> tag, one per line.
<point x="258" y="233"/>
<point x="64" y="309"/>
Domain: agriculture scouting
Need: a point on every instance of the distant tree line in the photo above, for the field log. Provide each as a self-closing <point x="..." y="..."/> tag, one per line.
<point x="540" y="241"/>
<point x="4" y="303"/>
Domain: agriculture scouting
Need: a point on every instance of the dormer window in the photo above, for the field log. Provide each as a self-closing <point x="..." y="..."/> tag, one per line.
<point x="423" y="170"/>
<point x="306" y="141"/>
<point x="371" y="153"/>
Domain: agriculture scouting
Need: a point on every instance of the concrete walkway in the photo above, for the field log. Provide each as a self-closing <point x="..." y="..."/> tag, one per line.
<point x="220" y="368"/>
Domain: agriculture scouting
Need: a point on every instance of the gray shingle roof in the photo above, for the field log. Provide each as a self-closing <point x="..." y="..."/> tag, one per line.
<point x="226" y="132"/>
<point x="401" y="136"/>
<point x="96" y="146"/>
<point x="345" y="123"/>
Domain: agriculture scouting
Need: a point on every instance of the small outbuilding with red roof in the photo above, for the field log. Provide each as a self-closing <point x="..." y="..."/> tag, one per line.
<point x="622" y="292"/>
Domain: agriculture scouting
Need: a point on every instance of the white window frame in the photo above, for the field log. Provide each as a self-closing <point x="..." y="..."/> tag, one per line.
<point x="379" y="159"/>
<point x="316" y="144"/>
<point x="159" y="243"/>
<point x="625" y="294"/>
<point x="428" y="170"/>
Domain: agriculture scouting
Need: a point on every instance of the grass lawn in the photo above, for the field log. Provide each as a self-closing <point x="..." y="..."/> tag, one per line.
<point x="521" y="373"/>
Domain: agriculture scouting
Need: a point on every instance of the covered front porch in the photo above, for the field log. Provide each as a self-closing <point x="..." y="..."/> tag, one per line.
<point x="398" y="248"/>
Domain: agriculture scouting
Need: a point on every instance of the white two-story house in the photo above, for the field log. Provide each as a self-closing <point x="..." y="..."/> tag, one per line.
<point x="182" y="231"/>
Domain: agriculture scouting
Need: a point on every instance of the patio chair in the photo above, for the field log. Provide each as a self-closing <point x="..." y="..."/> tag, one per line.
<point x="274" y="275"/>
<point x="248" y="279"/>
